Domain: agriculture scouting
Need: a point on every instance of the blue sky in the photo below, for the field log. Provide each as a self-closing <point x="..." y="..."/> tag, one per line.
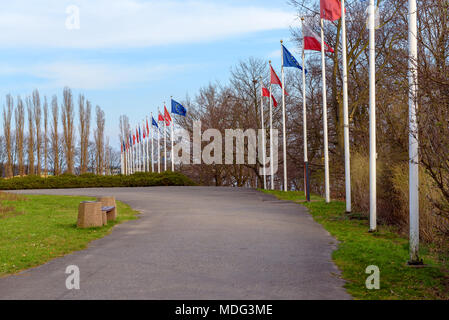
<point x="129" y="56"/>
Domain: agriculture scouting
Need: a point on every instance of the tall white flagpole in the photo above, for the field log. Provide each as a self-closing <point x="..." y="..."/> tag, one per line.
<point x="165" y="140"/>
<point x="413" y="133"/>
<point x="304" y="120"/>
<point x="263" y="133"/>
<point x="121" y="160"/>
<point x="158" y="144"/>
<point x="271" y="136"/>
<point x="284" y="134"/>
<point x="132" y="157"/>
<point x="172" y="151"/>
<point x="148" y="138"/>
<point x="345" y="110"/>
<point x="372" y="117"/>
<point x="138" y="153"/>
<point x="144" y="158"/>
<point x="127" y="159"/>
<point x="326" y="152"/>
<point x="152" y="143"/>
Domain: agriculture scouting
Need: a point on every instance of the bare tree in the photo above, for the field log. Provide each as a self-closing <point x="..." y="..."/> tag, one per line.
<point x="7" y="114"/>
<point x="67" y="117"/>
<point x="99" y="140"/>
<point x="55" y="136"/>
<point x="84" y="118"/>
<point x="37" y="122"/>
<point x="45" y="136"/>
<point x="20" y="123"/>
<point x="30" y="136"/>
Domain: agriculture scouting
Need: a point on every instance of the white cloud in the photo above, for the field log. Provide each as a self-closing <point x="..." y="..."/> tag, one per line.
<point x="93" y="75"/>
<point x="131" y="23"/>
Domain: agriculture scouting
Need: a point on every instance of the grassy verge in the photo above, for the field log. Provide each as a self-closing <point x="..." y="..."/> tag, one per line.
<point x="89" y="180"/>
<point x="39" y="228"/>
<point x="385" y="248"/>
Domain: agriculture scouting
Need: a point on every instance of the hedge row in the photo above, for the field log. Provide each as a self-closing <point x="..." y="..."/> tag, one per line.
<point x="89" y="180"/>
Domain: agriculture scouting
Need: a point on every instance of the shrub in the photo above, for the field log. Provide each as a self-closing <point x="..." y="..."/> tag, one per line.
<point x="89" y="180"/>
<point x="432" y="227"/>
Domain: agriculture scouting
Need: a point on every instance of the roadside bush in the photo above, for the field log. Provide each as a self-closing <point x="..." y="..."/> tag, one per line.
<point x="432" y="227"/>
<point x="89" y="180"/>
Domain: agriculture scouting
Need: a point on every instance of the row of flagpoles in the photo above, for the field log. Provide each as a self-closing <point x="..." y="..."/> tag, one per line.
<point x="135" y="156"/>
<point x="135" y="148"/>
<point x="333" y="10"/>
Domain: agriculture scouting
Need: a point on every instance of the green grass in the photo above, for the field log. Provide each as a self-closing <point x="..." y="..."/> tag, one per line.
<point x="385" y="248"/>
<point x="45" y="228"/>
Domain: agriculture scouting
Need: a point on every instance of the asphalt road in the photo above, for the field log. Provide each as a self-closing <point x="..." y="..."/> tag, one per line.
<point x="194" y="243"/>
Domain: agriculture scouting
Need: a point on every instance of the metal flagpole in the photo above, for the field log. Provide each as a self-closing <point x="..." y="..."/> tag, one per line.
<point x="148" y="154"/>
<point x="152" y="143"/>
<point x="372" y="118"/>
<point x="144" y="158"/>
<point x="413" y="134"/>
<point x="304" y="123"/>
<point x="172" y="151"/>
<point x="271" y="138"/>
<point x="345" y="110"/>
<point x="121" y="160"/>
<point x="165" y="140"/>
<point x="132" y="157"/>
<point x="284" y="134"/>
<point x="139" y="155"/>
<point x="158" y="144"/>
<point x="326" y="152"/>
<point x="263" y="134"/>
<point x="127" y="159"/>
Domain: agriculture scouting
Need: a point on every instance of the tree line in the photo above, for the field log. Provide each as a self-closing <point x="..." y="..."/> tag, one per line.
<point x="40" y="137"/>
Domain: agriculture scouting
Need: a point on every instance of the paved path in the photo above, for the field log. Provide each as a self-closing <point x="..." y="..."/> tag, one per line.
<point x="194" y="243"/>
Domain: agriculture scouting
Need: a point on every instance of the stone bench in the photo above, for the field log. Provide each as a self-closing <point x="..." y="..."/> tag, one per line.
<point x="96" y="213"/>
<point x="89" y="214"/>
<point x="110" y="205"/>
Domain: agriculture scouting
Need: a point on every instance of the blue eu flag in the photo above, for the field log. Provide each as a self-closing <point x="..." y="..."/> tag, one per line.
<point x="177" y="108"/>
<point x="289" y="59"/>
<point x="154" y="123"/>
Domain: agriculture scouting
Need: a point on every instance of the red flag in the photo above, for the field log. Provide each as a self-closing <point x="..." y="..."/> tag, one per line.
<point x="134" y="139"/>
<point x="312" y="41"/>
<point x="266" y="93"/>
<point x="137" y="135"/>
<point x="274" y="79"/>
<point x="148" y="129"/>
<point x="160" y="117"/>
<point x="167" y="117"/>
<point x="144" y="131"/>
<point x="330" y="9"/>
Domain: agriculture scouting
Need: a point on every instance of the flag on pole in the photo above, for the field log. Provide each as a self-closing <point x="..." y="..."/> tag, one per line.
<point x="330" y="9"/>
<point x="160" y="117"/>
<point x="134" y="139"/>
<point x="140" y="135"/>
<point x="154" y="123"/>
<point x="274" y="79"/>
<point x="167" y="117"/>
<point x="148" y="129"/>
<point x="177" y="108"/>
<point x="312" y="41"/>
<point x="290" y="60"/>
<point x="266" y="93"/>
